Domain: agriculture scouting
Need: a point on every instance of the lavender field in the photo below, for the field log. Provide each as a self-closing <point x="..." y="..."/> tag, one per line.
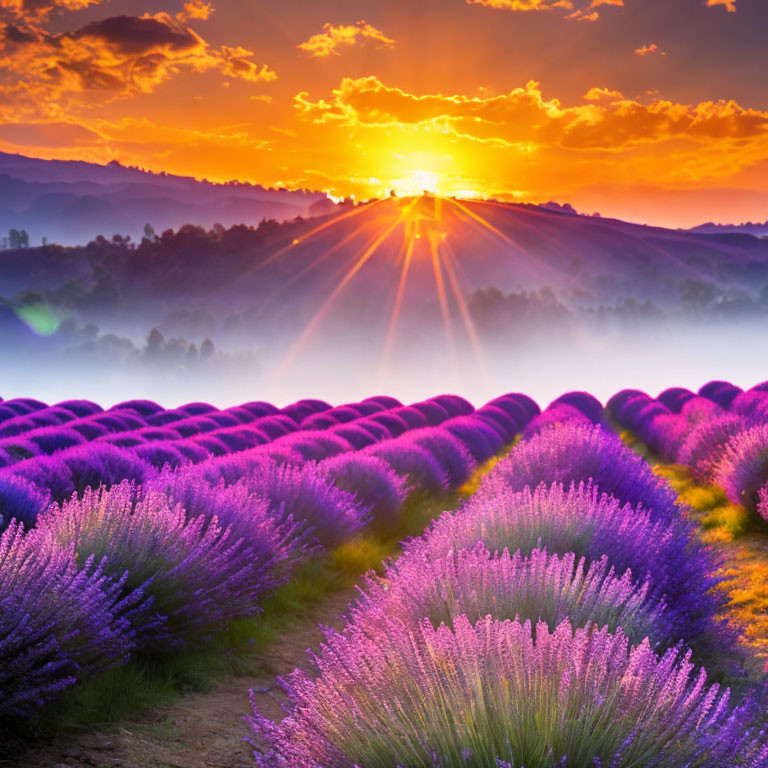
<point x="572" y="608"/>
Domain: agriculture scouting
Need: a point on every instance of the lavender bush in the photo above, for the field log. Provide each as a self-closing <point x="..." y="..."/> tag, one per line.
<point x="575" y="452"/>
<point x="198" y="575"/>
<point x="501" y="694"/>
<point x="373" y="483"/>
<point x="536" y="587"/>
<point x="58" y="623"/>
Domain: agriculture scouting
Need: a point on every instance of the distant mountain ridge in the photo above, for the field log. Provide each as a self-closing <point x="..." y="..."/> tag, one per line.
<point x="756" y="229"/>
<point x="70" y="202"/>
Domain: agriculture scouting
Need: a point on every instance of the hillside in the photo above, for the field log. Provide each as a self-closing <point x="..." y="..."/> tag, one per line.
<point x="71" y="202"/>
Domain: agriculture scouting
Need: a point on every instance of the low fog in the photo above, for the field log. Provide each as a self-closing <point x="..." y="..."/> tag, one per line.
<point x="545" y="363"/>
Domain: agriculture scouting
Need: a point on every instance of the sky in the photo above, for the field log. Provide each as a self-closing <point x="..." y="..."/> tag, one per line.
<point x="648" y="110"/>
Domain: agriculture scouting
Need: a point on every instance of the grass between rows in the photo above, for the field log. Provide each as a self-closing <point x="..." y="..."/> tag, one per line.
<point x="127" y="693"/>
<point x="743" y="542"/>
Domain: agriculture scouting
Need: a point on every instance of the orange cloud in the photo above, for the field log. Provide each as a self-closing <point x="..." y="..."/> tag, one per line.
<point x="582" y="10"/>
<point x="331" y="39"/>
<point x="119" y="55"/>
<point x="524" y="117"/>
<point x="596" y="94"/>
<point x="648" y="50"/>
<point x="730" y="5"/>
<point x="195" y="9"/>
<point x="39" y="10"/>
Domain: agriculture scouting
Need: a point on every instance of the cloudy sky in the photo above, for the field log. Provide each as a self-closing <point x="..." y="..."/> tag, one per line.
<point x="650" y="110"/>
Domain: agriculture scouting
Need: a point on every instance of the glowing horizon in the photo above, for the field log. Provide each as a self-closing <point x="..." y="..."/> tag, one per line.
<point x="629" y="107"/>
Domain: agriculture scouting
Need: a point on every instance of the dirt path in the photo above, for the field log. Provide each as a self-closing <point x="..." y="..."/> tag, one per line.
<point x="200" y="730"/>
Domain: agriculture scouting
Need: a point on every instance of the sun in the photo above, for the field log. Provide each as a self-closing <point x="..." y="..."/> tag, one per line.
<point x="417" y="183"/>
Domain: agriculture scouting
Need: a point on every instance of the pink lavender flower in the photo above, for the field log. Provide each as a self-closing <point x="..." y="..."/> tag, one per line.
<point x="579" y="520"/>
<point x="537" y="587"/>
<point x="500" y="691"/>
<point x="742" y="469"/>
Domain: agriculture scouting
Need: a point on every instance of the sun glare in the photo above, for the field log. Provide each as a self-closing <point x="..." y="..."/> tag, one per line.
<point x="417" y="183"/>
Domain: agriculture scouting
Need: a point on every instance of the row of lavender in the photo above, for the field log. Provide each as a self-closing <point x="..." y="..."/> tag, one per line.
<point x="90" y="447"/>
<point x="721" y="433"/>
<point x="551" y="621"/>
<point x="133" y="559"/>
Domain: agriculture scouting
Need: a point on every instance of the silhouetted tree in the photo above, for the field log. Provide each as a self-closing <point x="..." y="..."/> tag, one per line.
<point x="18" y="239"/>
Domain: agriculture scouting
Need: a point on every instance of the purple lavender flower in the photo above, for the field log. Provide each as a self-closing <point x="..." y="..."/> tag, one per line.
<point x="372" y="481"/>
<point x="97" y="464"/>
<point x="416" y="465"/>
<point x="587" y="404"/>
<point x="579" y="520"/>
<point x="452" y="455"/>
<point x="199" y="575"/>
<point x="720" y="392"/>
<point x="58" y="623"/>
<point x="331" y="515"/>
<point x="578" y="451"/>
<point x="22" y="500"/>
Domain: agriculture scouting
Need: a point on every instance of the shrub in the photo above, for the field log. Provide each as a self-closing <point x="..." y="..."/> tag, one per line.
<point x="555" y="416"/>
<point x="454" y="405"/>
<point x="20" y="448"/>
<point x="536" y="587"/>
<point x="762" y="505"/>
<point x="520" y="412"/>
<point x="314" y="445"/>
<point x="394" y="425"/>
<point x="57" y="622"/>
<point x="259" y="408"/>
<point x="742" y="469"/>
<point x="89" y="429"/>
<point x="499" y="419"/>
<point x="452" y="455"/>
<point x="142" y="407"/>
<point x="413" y="417"/>
<point x="198" y="575"/>
<point x="159" y="454"/>
<point x="197" y="409"/>
<point x="590" y="525"/>
<point x="52" y="439"/>
<point x="48" y="474"/>
<point x="675" y="397"/>
<point x="272" y="536"/>
<point x="376" y="430"/>
<point x="356" y="436"/>
<point x="22" y="500"/>
<point x="81" y="408"/>
<point x="275" y="426"/>
<point x="416" y="465"/>
<point x="97" y="464"/>
<point x="581" y="452"/>
<point x="433" y="412"/>
<point x="195" y="453"/>
<point x="583" y="402"/>
<point x="499" y="694"/>
<point x="385" y="401"/>
<point x="481" y="439"/>
<point x="373" y="482"/>
<point x="706" y="442"/>
<point x="330" y="514"/>
<point x="720" y="392"/>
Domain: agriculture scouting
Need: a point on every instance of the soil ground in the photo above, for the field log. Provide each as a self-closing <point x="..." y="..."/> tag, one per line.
<point x="200" y="730"/>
